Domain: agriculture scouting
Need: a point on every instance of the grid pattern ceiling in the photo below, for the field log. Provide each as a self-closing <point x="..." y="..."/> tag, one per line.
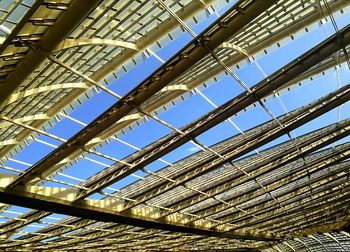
<point x="187" y="125"/>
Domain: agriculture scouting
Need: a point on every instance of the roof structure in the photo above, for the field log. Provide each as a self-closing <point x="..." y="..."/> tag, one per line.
<point x="174" y="125"/>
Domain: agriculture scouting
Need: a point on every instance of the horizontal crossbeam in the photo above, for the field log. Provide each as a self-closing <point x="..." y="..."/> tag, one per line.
<point x="81" y="209"/>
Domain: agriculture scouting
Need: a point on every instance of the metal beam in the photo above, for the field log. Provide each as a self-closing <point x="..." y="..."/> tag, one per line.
<point x="20" y="25"/>
<point x="255" y="193"/>
<point x="324" y="197"/>
<point x="8" y="142"/>
<point x="166" y="144"/>
<point x="244" y="198"/>
<point x="327" y="212"/>
<point x="177" y="65"/>
<point x="184" y="14"/>
<point x="288" y="198"/>
<point x="252" y="50"/>
<point x="265" y="165"/>
<point x="27" y="218"/>
<point x="67" y="226"/>
<point x="66" y="23"/>
<point x="68" y="194"/>
<point x="322" y="102"/>
<point x="23" y="198"/>
<point x="155" y="34"/>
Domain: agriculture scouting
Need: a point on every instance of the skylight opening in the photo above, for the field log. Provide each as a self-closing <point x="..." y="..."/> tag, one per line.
<point x="264" y="168"/>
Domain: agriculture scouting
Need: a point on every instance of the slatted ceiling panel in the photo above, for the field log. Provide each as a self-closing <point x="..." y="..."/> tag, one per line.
<point x="148" y="25"/>
<point x="179" y="31"/>
<point x="261" y="28"/>
<point x="248" y="187"/>
<point x="345" y="241"/>
<point x="210" y="177"/>
<point x="190" y="161"/>
<point x="32" y="27"/>
<point x="279" y="20"/>
<point x="205" y="180"/>
<point x="171" y="196"/>
<point x="297" y="34"/>
<point x="198" y="69"/>
<point x="39" y="17"/>
<point x="228" y="212"/>
<point x="232" y="53"/>
<point x="12" y="12"/>
<point x="297" y="245"/>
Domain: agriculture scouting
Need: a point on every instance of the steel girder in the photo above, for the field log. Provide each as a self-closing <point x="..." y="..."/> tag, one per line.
<point x="9" y="39"/>
<point x="123" y="239"/>
<point x="69" y="43"/>
<point x="21" y="197"/>
<point x="66" y="227"/>
<point x="337" y="152"/>
<point x="88" y="239"/>
<point x="27" y="218"/>
<point x="328" y="192"/>
<point x="301" y="171"/>
<point x="232" y="21"/>
<point x="322" y="138"/>
<point x="335" y="212"/>
<point x="245" y="16"/>
<point x="283" y="155"/>
<point x="291" y="197"/>
<point x="332" y="132"/>
<point x="31" y="92"/>
<point x="303" y="193"/>
<point x="234" y="60"/>
<point x="317" y="136"/>
<point x="319" y="69"/>
<point x="323" y="228"/>
<point x="117" y="62"/>
<point x="158" y="244"/>
<point x="285" y="198"/>
<point x="263" y="88"/>
<point x="333" y="241"/>
<point x="314" y="162"/>
<point x="296" y="222"/>
<point x="265" y="43"/>
<point x="335" y="6"/>
<point x="270" y="132"/>
<point x="75" y="13"/>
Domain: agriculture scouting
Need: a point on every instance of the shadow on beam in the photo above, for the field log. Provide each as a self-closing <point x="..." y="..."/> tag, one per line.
<point x="82" y="210"/>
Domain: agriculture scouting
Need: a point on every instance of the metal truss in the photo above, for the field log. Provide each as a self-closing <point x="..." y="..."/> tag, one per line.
<point x="86" y="210"/>
<point x="50" y="39"/>
<point x="282" y="155"/>
<point x="122" y="57"/>
<point x="318" y="159"/>
<point x="234" y="195"/>
<point x="174" y="67"/>
<point x="328" y="47"/>
<point x="323" y="141"/>
<point x="337" y="6"/>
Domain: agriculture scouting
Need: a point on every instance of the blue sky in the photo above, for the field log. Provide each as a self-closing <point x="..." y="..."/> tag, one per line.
<point x="194" y="107"/>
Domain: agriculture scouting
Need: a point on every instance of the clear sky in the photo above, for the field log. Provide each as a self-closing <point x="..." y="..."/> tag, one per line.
<point x="194" y="107"/>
